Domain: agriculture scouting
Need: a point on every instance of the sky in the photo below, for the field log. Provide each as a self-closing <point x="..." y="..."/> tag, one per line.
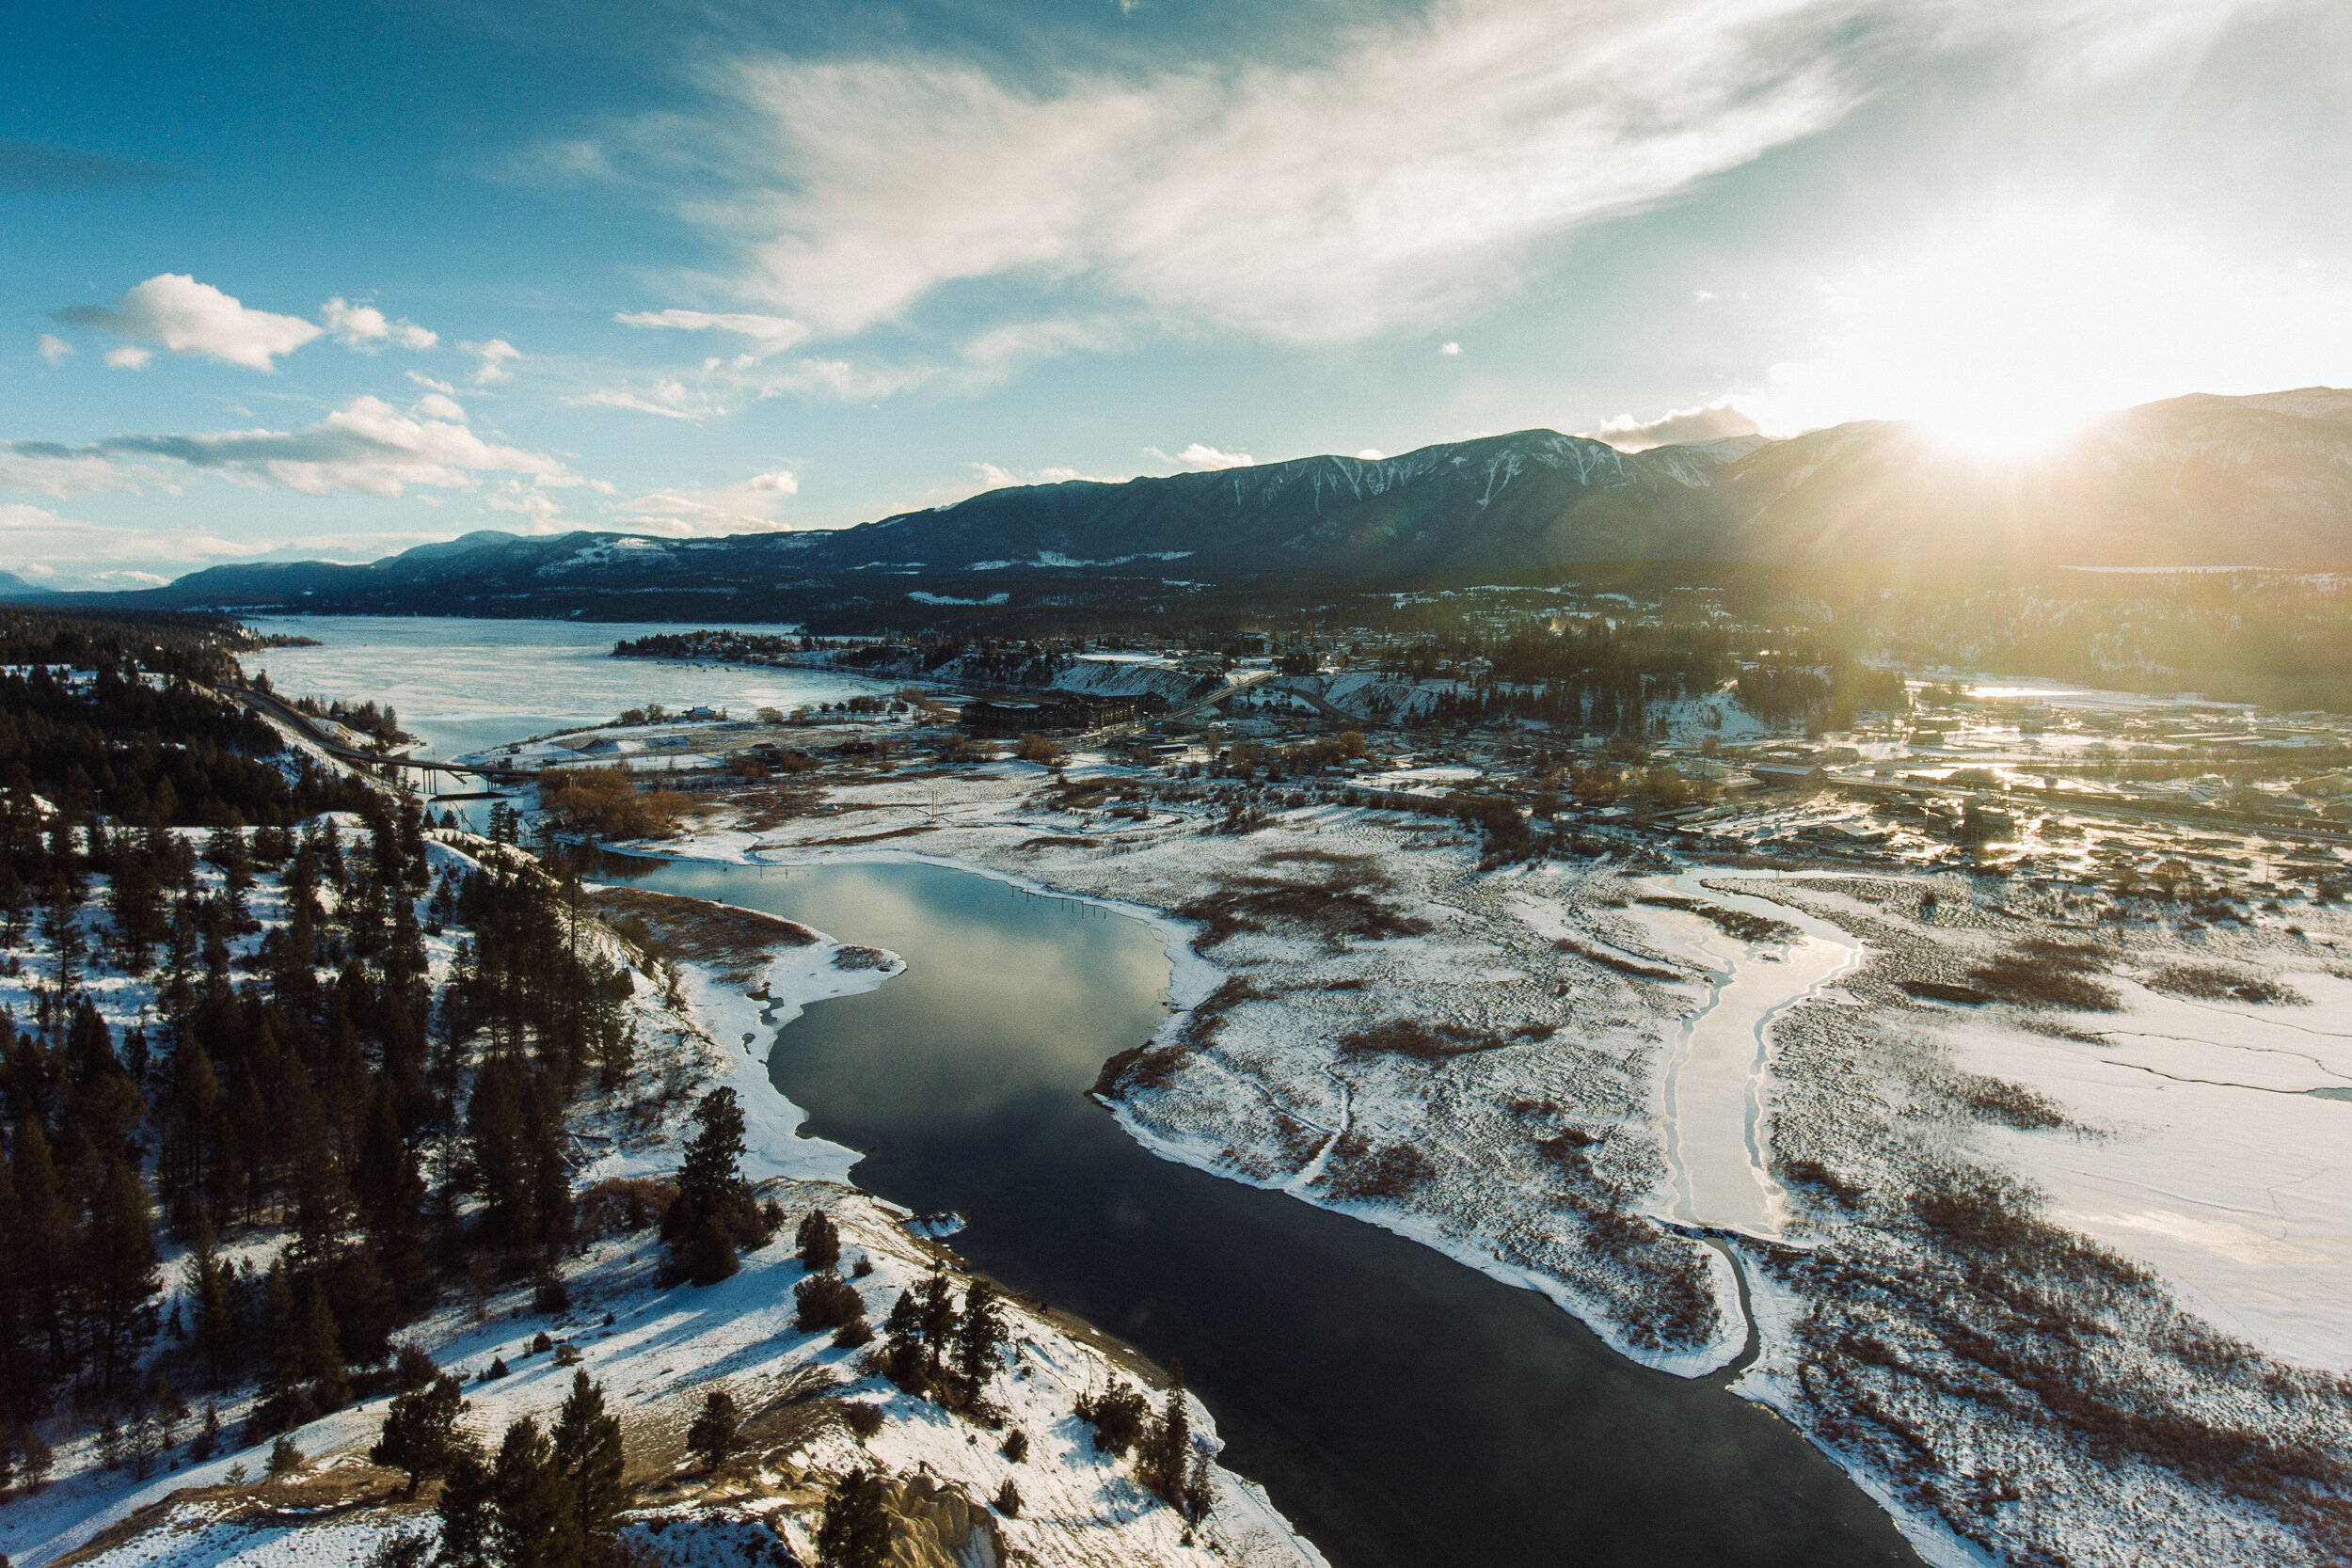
<point x="290" y="281"/>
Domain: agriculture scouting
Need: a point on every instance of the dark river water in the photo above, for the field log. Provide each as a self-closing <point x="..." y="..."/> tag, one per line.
<point x="1399" y="1408"/>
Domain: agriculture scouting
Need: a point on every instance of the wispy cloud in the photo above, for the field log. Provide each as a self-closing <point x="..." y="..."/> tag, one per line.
<point x="748" y="506"/>
<point x="768" y="334"/>
<point x="667" y="397"/>
<point x="1319" y="203"/>
<point x="366" y="447"/>
<point x="54" y="348"/>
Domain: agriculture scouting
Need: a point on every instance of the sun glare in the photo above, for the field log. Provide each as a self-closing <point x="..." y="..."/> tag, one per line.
<point x="2007" y="338"/>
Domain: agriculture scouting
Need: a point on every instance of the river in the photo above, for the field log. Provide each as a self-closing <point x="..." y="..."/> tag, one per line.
<point x="1399" y="1407"/>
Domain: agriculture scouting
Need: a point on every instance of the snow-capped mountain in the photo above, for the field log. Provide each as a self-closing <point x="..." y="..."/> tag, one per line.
<point x="2263" y="481"/>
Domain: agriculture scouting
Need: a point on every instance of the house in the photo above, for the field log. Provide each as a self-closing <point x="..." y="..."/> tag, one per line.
<point x="1801" y="775"/>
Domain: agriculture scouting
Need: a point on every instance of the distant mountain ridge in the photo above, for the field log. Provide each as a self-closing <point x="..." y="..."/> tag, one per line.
<point x="2198" y="481"/>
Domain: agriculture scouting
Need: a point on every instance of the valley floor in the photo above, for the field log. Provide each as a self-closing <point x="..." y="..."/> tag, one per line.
<point x="2059" y="1274"/>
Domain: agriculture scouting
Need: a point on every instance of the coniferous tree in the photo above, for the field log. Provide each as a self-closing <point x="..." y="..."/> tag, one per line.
<point x="420" y="1433"/>
<point x="1164" y="1459"/>
<point x="211" y="1292"/>
<point x="44" y="1238"/>
<point x="855" y="1530"/>
<point x="819" y="1241"/>
<point x="538" y="1519"/>
<point x="117" y="1272"/>
<point x="711" y="1438"/>
<point x="978" y="1336"/>
<point x="589" y="1455"/>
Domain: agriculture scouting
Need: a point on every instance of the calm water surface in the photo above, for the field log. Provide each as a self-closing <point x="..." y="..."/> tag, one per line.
<point x="1401" y="1409"/>
<point x="461" y="684"/>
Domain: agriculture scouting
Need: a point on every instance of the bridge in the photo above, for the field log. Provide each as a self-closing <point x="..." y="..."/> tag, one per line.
<point x="271" y="707"/>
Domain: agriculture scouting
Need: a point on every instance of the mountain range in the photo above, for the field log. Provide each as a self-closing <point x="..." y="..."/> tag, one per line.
<point x="2198" y="481"/>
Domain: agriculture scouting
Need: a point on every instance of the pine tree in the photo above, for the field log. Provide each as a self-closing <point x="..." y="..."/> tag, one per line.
<point x="978" y="1339"/>
<point x="44" y="1241"/>
<point x="711" y="1438"/>
<point x="538" y="1519"/>
<point x="588" y="1452"/>
<point x="209" y="1289"/>
<point x="321" y="1351"/>
<point x="710" y="1180"/>
<point x="855" y="1530"/>
<point x="119" y="1278"/>
<point x="420" y="1433"/>
<point x="1163" y="1460"/>
<point x="819" y="1241"/>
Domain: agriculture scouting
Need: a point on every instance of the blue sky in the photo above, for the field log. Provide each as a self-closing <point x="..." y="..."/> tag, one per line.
<point x="334" y="281"/>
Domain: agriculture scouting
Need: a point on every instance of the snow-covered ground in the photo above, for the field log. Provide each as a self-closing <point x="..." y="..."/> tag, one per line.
<point x="1557" y="1003"/>
<point x="658" y="1350"/>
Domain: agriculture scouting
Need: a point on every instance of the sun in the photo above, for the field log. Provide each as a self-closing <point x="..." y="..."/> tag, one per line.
<point x="2005" y="336"/>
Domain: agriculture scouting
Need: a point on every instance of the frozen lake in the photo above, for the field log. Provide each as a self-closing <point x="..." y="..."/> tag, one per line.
<point x="462" y="684"/>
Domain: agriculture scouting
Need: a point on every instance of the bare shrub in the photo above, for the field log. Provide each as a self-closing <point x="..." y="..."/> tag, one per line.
<point x="1404" y="1037"/>
<point x="2213" y="983"/>
<point x="2039" y="981"/>
<point x="1336" y="911"/>
<point x="623" y="1204"/>
<point x="1359" y="1171"/>
<point x="1999" y="1099"/>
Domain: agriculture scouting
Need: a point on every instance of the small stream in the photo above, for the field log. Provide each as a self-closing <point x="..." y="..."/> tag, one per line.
<point x="1715" y="1092"/>
<point x="1401" y="1408"/>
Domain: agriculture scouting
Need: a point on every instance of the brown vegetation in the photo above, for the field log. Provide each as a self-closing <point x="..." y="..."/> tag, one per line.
<point x="2046" y="974"/>
<point x="1404" y="1037"/>
<point x="2212" y="983"/>
<point x="606" y="804"/>
<point x="1361" y="1172"/>
<point x="1338" y="908"/>
<point x="735" y="942"/>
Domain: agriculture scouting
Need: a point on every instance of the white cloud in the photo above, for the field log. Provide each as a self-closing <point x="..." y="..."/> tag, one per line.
<point x="769" y="334"/>
<point x="129" y="358"/>
<point x="747" y="506"/>
<point x="439" y="406"/>
<point x="494" y="356"/>
<point x="366" y="447"/>
<point x="445" y="389"/>
<point x="84" y="551"/>
<point x="1421" y="165"/>
<point x="62" y="473"/>
<point x="1372" y="454"/>
<point x="1709" y="423"/>
<point x="363" y="326"/>
<point x="1201" y="457"/>
<point x="668" y="397"/>
<point x="993" y="478"/>
<point x="55" y="349"/>
<point x="73" y="553"/>
<point x="173" y="311"/>
<point x="1307" y="203"/>
<point x="513" y="495"/>
<point x="1449" y="348"/>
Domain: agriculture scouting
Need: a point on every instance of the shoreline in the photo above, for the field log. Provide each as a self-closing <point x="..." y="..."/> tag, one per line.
<point x="1924" y="1533"/>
